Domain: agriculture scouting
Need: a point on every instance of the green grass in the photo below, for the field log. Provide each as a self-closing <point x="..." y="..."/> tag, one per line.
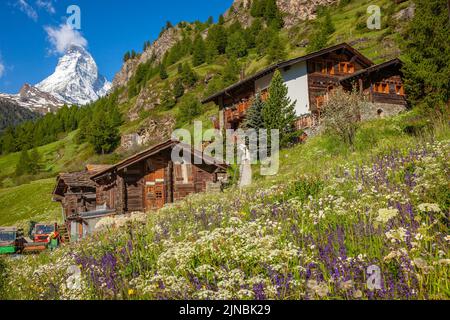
<point x="29" y="202"/>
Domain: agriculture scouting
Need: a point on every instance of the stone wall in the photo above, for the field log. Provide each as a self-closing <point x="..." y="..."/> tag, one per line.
<point x="380" y="110"/>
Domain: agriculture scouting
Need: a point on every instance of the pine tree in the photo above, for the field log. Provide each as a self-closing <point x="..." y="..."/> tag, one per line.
<point x="328" y="24"/>
<point x="258" y="8"/>
<point x="324" y="28"/>
<point x="263" y="40"/>
<point x="273" y="15"/>
<point x="198" y="54"/>
<point x="237" y="46"/>
<point x="35" y="158"/>
<point x="178" y="89"/>
<point x="231" y="72"/>
<point x="190" y="107"/>
<point x="426" y="58"/>
<point x="277" y="50"/>
<point x="211" y="52"/>
<point x="23" y="166"/>
<point x="103" y="135"/>
<point x="189" y="76"/>
<point x="217" y="37"/>
<point x="127" y="56"/>
<point x="279" y="111"/>
<point x="254" y="119"/>
<point x="163" y="72"/>
<point x="221" y="20"/>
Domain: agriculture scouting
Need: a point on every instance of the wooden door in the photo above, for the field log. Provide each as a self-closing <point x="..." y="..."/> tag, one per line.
<point x="155" y="190"/>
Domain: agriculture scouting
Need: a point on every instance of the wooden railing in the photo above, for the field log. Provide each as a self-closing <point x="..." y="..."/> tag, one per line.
<point x="238" y="111"/>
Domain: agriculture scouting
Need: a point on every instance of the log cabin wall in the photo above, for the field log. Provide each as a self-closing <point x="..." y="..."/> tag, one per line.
<point x="106" y="192"/>
<point x="133" y="179"/>
<point x="190" y="178"/>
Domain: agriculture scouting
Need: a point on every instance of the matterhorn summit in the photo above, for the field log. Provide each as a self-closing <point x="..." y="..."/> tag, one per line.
<point x="76" y="79"/>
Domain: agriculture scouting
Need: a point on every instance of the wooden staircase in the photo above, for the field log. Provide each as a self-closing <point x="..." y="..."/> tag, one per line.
<point x="64" y="234"/>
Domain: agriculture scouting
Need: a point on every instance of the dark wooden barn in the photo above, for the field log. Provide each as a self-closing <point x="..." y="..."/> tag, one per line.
<point x="77" y="194"/>
<point x="150" y="179"/>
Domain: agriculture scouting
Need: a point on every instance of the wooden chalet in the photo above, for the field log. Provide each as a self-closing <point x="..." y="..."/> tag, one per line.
<point x="150" y="179"/>
<point x="77" y="194"/>
<point x="381" y="84"/>
<point x="309" y="80"/>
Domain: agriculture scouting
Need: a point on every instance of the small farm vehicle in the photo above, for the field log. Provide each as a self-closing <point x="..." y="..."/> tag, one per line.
<point x="43" y="237"/>
<point x="11" y="240"/>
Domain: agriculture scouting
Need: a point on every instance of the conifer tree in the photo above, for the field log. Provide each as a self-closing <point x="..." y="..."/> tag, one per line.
<point x="257" y="9"/>
<point x="104" y="135"/>
<point x="324" y="28"/>
<point x="273" y="15"/>
<point x="217" y="37"/>
<point x="178" y="89"/>
<point x="163" y="72"/>
<point x="211" y="52"/>
<point x="35" y="158"/>
<point x="277" y="50"/>
<point x="23" y="166"/>
<point x="189" y="76"/>
<point x="237" y="46"/>
<point x="279" y="111"/>
<point x="254" y="119"/>
<point x="221" y="20"/>
<point x="190" y="107"/>
<point x="198" y="54"/>
<point x="426" y="58"/>
<point x="231" y="72"/>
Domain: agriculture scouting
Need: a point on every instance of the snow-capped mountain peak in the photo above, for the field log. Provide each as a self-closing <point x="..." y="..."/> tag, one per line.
<point x="76" y="79"/>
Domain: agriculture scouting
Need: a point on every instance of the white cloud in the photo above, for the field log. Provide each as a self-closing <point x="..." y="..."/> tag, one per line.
<point x="27" y="9"/>
<point x="47" y="5"/>
<point x="63" y="37"/>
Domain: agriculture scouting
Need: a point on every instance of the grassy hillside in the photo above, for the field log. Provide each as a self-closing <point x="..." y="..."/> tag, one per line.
<point x="311" y="232"/>
<point x="29" y="202"/>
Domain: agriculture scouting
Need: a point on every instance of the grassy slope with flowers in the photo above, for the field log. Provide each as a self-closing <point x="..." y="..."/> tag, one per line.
<point x="310" y="232"/>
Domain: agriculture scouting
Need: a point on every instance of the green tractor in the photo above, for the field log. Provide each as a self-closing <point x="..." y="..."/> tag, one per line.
<point x="11" y="240"/>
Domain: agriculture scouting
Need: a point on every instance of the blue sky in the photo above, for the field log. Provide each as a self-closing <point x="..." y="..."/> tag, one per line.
<point x="110" y="27"/>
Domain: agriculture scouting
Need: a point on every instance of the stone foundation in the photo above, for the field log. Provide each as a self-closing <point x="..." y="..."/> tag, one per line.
<point x="381" y="110"/>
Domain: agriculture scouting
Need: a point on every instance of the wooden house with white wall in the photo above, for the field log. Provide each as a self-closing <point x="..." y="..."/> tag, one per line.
<point x="309" y="80"/>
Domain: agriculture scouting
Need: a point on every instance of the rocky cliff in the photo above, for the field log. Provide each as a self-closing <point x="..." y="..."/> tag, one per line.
<point x="157" y="50"/>
<point x="293" y="10"/>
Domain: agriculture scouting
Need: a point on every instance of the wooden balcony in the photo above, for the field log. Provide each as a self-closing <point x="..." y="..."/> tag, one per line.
<point x="238" y="111"/>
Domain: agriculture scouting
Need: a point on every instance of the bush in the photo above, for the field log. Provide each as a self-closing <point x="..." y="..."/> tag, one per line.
<point x="342" y="114"/>
<point x="190" y="107"/>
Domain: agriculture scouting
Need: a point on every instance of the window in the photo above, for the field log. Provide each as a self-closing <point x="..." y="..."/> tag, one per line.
<point x="183" y="173"/>
<point x="330" y="68"/>
<point x="346" y="67"/>
<point x="381" y="87"/>
<point x="400" y="90"/>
